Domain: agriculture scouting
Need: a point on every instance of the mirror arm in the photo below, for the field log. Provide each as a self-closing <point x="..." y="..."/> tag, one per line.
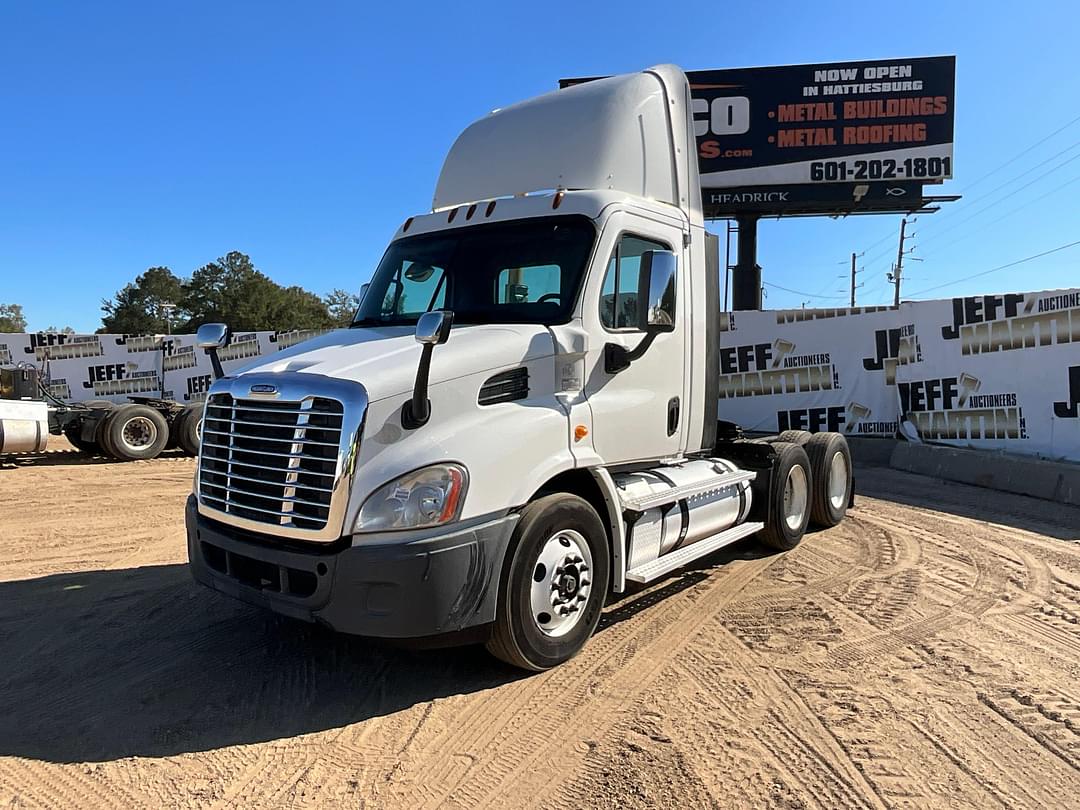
<point x="215" y="363"/>
<point x="618" y="358"/>
<point x="416" y="411"/>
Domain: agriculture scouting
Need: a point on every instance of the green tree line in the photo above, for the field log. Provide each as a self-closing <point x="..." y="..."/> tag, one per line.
<point x="230" y="290"/>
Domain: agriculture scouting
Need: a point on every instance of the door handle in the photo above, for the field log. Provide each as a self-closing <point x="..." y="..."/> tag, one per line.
<point x="672" y="416"/>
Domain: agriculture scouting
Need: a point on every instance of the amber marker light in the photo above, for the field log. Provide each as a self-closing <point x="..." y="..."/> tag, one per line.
<point x="580" y="432"/>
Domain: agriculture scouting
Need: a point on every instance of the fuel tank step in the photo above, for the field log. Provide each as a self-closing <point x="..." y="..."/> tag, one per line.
<point x="651" y="500"/>
<point x="676" y="559"/>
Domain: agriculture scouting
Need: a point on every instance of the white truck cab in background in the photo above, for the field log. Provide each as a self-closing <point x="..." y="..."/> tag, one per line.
<point x="523" y="417"/>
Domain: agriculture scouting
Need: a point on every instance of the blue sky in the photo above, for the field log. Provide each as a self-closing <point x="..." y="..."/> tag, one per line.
<point x="136" y="134"/>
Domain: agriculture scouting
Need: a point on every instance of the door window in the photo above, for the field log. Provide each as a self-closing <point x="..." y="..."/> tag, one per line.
<point x="618" y="296"/>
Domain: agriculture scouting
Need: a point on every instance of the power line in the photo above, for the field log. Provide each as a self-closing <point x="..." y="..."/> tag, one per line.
<point x="985" y="208"/>
<point x="999" y="267"/>
<point x="1021" y="154"/>
<point x="883" y="239"/>
<point x="1027" y="171"/>
<point x="1027" y="205"/>
<point x="799" y="292"/>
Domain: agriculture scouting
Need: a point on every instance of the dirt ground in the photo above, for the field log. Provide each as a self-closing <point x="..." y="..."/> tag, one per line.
<point x="926" y="653"/>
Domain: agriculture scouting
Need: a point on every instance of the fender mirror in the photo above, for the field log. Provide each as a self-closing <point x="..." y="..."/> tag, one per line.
<point x="213" y="336"/>
<point x="432" y="329"/>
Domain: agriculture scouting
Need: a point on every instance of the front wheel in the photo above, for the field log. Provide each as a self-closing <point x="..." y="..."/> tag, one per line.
<point x="554" y="585"/>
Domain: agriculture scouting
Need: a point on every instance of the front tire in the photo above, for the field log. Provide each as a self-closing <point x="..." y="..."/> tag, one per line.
<point x="554" y="584"/>
<point x="789" y="508"/>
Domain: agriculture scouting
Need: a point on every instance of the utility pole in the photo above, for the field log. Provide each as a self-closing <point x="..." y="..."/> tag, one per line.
<point x="898" y="273"/>
<point x="853" y="281"/>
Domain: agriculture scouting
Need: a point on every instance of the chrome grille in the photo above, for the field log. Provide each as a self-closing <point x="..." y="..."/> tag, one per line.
<point x="269" y="461"/>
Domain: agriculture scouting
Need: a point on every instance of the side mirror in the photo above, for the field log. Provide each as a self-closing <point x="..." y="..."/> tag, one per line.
<point x="656" y="291"/>
<point x="433" y="328"/>
<point x="212" y="336"/>
<point x="655" y="308"/>
<point x="363" y="292"/>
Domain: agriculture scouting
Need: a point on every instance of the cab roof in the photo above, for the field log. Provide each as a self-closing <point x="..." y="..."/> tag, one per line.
<point x="630" y="133"/>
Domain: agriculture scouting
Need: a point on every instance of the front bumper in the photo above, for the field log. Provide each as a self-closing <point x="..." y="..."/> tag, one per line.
<point x="392" y="585"/>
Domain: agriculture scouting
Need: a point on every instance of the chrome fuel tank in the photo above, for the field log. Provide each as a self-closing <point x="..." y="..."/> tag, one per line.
<point x="685" y="521"/>
<point x="24" y="426"/>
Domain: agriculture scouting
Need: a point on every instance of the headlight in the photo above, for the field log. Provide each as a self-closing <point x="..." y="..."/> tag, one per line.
<point x="427" y="497"/>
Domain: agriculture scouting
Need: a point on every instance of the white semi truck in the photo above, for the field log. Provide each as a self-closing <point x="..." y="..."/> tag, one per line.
<point x="523" y="417"/>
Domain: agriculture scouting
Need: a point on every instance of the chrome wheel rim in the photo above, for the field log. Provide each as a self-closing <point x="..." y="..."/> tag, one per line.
<point x="561" y="583"/>
<point x="138" y="433"/>
<point x="838" y="478"/>
<point x="795" y="497"/>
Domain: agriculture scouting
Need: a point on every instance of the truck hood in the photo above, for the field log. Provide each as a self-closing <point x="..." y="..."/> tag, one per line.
<point x="384" y="359"/>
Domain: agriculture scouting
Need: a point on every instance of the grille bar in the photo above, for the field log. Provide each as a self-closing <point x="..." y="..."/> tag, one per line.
<point x="260" y="410"/>
<point x="251" y="508"/>
<point x="266" y="452"/>
<point x="234" y="435"/>
<point x="236" y="477"/>
<point x="249" y="493"/>
<point x="301" y="470"/>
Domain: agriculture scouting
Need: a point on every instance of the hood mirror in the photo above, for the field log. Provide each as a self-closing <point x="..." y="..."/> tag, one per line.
<point x="213" y="336"/>
<point x="432" y="329"/>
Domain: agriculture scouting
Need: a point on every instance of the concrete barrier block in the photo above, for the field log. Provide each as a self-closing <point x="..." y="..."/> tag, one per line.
<point x="871" y="452"/>
<point x="1049" y="480"/>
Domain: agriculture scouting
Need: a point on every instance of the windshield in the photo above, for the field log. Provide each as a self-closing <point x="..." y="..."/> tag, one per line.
<point x="514" y="272"/>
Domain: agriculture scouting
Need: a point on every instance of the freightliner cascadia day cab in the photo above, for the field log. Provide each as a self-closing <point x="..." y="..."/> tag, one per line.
<point x="523" y="417"/>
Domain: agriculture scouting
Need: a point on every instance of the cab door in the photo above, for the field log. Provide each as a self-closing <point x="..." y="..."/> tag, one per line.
<point x="637" y="413"/>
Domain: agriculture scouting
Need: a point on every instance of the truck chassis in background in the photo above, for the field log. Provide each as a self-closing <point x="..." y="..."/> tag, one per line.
<point x="139" y="429"/>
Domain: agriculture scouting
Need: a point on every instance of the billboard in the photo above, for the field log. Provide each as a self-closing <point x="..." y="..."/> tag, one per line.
<point x="839" y="122"/>
<point x="836" y="137"/>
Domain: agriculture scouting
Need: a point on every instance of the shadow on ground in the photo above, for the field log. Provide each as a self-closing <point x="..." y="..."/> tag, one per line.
<point x="64" y="458"/>
<point x="102" y="665"/>
<point x="964" y="500"/>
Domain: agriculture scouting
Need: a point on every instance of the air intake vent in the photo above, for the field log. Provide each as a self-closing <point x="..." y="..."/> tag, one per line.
<point x="505" y="386"/>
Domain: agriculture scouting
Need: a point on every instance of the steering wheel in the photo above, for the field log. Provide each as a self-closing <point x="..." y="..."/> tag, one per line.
<point x="548" y="296"/>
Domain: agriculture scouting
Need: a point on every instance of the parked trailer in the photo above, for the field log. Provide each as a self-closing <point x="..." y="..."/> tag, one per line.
<point x="557" y="319"/>
<point x="139" y="429"/>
